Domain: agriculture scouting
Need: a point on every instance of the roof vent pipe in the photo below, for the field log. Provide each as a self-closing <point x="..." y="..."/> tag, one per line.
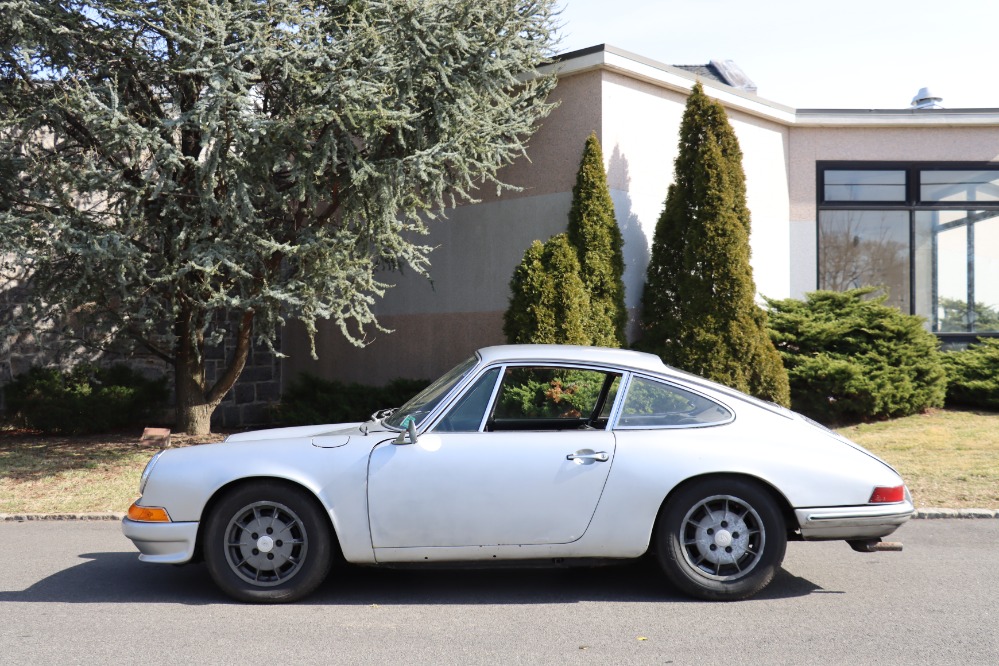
<point x="925" y="99"/>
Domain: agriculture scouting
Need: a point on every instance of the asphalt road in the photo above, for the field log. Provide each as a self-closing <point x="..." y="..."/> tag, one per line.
<point x="74" y="592"/>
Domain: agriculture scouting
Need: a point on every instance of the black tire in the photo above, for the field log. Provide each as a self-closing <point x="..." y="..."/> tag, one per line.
<point x="268" y="542"/>
<point x="721" y="539"/>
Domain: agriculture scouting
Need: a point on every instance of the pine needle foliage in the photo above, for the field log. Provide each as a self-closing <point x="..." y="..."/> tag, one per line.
<point x="852" y="358"/>
<point x="549" y="303"/>
<point x="698" y="305"/>
<point x="594" y="232"/>
<point x="973" y="374"/>
<point x="167" y="167"/>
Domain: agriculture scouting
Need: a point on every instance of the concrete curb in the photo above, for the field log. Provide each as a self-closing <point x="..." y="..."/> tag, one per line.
<point x="47" y="517"/>
<point x="921" y="514"/>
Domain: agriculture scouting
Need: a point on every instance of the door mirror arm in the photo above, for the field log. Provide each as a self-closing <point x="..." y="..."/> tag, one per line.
<point x="410" y="431"/>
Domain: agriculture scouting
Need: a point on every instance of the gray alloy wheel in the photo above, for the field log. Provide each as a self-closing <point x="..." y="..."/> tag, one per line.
<point x="268" y="542"/>
<point x="721" y="539"/>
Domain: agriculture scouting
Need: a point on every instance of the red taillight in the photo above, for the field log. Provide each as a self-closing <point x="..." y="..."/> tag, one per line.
<point x="885" y="495"/>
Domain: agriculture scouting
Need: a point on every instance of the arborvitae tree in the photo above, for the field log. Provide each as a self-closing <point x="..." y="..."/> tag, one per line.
<point x="594" y="232"/>
<point x="698" y="306"/>
<point x="548" y="301"/>
<point x="181" y="172"/>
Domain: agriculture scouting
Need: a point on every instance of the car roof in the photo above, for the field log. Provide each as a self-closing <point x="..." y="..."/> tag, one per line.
<point x="574" y="353"/>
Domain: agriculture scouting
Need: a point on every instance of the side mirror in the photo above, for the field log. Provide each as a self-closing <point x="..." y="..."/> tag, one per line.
<point x="410" y="430"/>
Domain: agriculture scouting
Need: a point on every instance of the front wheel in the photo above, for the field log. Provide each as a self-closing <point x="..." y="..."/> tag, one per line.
<point x="268" y="543"/>
<point x="721" y="539"/>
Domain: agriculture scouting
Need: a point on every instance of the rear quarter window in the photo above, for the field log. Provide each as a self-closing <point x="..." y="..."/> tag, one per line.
<point x="654" y="404"/>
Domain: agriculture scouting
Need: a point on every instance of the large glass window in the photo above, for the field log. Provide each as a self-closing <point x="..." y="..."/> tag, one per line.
<point x="927" y="235"/>
<point x="859" y="248"/>
<point x="959" y="293"/>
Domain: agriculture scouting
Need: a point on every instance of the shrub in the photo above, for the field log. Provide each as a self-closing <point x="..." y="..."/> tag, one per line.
<point x="850" y="357"/>
<point x="311" y="400"/>
<point x="549" y="303"/>
<point x="973" y="374"/>
<point x="84" y="400"/>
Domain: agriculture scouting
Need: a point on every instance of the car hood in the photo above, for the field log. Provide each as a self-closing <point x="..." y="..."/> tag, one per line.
<point x="297" y="432"/>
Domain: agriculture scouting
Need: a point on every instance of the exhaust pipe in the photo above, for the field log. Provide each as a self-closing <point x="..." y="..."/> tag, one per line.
<point x="875" y="546"/>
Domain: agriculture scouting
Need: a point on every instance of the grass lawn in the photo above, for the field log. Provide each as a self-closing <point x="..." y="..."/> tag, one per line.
<point x="84" y="474"/>
<point x="948" y="458"/>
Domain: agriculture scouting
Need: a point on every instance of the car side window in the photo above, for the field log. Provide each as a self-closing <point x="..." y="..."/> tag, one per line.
<point x="466" y="414"/>
<point x="549" y="398"/>
<point x="652" y="404"/>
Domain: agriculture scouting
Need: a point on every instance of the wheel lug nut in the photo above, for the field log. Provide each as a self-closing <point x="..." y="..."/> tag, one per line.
<point x="714" y="547"/>
<point x="711" y="531"/>
<point x="270" y="556"/>
<point x="256" y="552"/>
<point x="255" y="535"/>
<point x="279" y="543"/>
<point x="270" y="530"/>
<point x="728" y="549"/>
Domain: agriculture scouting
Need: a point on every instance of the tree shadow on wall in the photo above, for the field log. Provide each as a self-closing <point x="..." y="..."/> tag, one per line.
<point x="636" y="244"/>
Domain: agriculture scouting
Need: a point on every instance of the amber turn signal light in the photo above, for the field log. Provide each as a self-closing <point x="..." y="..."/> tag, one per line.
<point x="148" y="514"/>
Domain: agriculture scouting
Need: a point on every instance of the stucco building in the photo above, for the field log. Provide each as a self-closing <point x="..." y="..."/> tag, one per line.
<point x="905" y="198"/>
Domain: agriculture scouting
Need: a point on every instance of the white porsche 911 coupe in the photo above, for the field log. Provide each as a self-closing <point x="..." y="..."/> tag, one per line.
<point x="522" y="454"/>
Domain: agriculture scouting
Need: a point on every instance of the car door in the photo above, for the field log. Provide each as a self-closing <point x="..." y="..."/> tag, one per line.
<point x="515" y="461"/>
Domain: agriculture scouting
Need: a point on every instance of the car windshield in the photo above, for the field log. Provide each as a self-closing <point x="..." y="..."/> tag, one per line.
<point x="428" y="399"/>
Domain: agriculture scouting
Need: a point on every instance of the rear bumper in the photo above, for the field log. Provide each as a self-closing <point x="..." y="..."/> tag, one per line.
<point x="852" y="522"/>
<point x="164" y="543"/>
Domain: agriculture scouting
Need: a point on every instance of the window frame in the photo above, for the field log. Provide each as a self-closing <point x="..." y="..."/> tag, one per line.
<point x="912" y="204"/>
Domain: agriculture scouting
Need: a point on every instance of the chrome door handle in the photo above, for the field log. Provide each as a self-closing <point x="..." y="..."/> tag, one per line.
<point x="588" y="457"/>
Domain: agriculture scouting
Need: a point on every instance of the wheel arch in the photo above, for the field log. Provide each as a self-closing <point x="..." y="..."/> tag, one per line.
<point x="235" y="484"/>
<point x="783" y="505"/>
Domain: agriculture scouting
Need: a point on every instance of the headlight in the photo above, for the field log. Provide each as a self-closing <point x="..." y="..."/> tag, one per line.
<point x="148" y="470"/>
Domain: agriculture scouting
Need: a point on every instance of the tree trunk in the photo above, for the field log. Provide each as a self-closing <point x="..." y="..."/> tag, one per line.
<point x="194" y="412"/>
<point x="195" y="401"/>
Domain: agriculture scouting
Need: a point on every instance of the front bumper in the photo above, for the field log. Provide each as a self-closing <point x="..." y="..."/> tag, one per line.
<point x="852" y="522"/>
<point x="164" y="543"/>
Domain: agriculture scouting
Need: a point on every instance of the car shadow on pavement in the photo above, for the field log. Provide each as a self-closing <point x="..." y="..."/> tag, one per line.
<point x="121" y="578"/>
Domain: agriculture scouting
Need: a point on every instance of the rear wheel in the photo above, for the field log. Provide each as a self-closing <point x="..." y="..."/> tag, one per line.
<point x="721" y="539"/>
<point x="268" y="542"/>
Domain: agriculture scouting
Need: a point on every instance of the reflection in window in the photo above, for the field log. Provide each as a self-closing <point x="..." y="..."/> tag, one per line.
<point x="958" y="283"/>
<point x="860" y="248"/>
<point x="945" y="186"/>
<point x="651" y="404"/>
<point x="542" y="393"/>
<point x="864" y="185"/>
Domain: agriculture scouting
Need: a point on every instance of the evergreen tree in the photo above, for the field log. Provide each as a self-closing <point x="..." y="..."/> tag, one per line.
<point x="698" y="306"/>
<point x="185" y="171"/>
<point x="548" y="301"/>
<point x="594" y="232"/>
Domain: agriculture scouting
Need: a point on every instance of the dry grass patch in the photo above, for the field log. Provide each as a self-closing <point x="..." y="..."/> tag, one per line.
<point x="948" y="458"/>
<point x="56" y="474"/>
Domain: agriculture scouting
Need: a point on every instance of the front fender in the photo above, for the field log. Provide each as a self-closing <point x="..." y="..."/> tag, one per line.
<point x="185" y="480"/>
